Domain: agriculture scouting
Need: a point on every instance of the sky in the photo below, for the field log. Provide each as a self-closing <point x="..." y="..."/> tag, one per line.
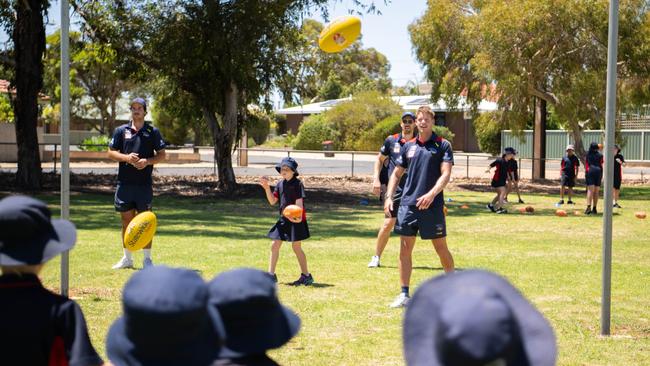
<point x="387" y="32"/>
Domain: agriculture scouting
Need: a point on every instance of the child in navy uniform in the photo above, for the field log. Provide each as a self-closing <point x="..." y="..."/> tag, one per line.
<point x="499" y="182"/>
<point x="569" y="172"/>
<point x="513" y="175"/>
<point x="38" y="326"/>
<point x="619" y="161"/>
<point x="289" y="191"/>
<point x="593" y="177"/>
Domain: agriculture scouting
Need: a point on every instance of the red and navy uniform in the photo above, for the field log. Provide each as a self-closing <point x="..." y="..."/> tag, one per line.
<point x="513" y="169"/>
<point x="134" y="187"/>
<point x="288" y="192"/>
<point x="40" y="327"/>
<point x="423" y="161"/>
<point x="392" y="149"/>
<point x="501" y="173"/>
<point x="594" y="168"/>
<point x="569" y="170"/>
<point x="618" y="172"/>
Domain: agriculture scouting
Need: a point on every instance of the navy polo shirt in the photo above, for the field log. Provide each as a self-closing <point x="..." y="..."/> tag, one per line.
<point x="392" y="149"/>
<point x="423" y="161"/>
<point x="594" y="161"/>
<point x="288" y="192"/>
<point x="500" y="174"/>
<point x="617" y="166"/>
<point x="143" y="142"/>
<point x="40" y="327"/>
<point x="570" y="165"/>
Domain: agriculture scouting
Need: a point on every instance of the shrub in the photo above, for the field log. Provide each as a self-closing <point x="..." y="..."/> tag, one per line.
<point x="95" y="143"/>
<point x="258" y="126"/>
<point x="313" y="131"/>
<point x="173" y="127"/>
<point x="373" y="139"/>
<point x="488" y="129"/>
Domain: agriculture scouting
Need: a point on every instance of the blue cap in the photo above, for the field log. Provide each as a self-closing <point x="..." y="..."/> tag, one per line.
<point x="290" y="162"/>
<point x="140" y="101"/>
<point x="480" y="319"/>
<point x="254" y="319"/>
<point x="511" y="150"/>
<point x="166" y="321"/>
<point x="29" y="235"/>
<point x="409" y="114"/>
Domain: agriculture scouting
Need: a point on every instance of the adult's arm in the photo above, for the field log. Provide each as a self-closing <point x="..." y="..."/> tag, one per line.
<point x="425" y="201"/>
<point x="392" y="187"/>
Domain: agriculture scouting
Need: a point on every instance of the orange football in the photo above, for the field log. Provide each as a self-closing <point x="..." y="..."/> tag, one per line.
<point x="464" y="207"/>
<point x="577" y="212"/>
<point x="561" y="213"/>
<point x="293" y="213"/>
<point x="530" y="209"/>
<point x="640" y="214"/>
<point x="522" y="210"/>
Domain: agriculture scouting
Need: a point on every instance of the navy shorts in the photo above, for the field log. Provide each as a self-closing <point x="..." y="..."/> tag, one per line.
<point x="286" y="230"/>
<point x="617" y="181"/>
<point x="133" y="197"/>
<point x="397" y="200"/>
<point x="594" y="177"/>
<point x="567" y="181"/>
<point x="498" y="183"/>
<point x="430" y="222"/>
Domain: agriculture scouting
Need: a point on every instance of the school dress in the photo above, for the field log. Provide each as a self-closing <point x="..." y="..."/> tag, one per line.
<point x="288" y="192"/>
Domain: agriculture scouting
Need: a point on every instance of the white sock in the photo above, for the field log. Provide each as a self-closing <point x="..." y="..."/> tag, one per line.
<point x="147" y="253"/>
<point x="127" y="254"/>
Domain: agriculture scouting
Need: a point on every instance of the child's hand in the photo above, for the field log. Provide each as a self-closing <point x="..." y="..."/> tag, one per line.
<point x="264" y="181"/>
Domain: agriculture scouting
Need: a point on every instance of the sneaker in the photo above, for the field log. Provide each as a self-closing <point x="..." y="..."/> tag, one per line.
<point x="147" y="262"/>
<point x="570" y="203"/>
<point x="593" y="211"/>
<point x="303" y="280"/>
<point x="559" y="203"/>
<point x="502" y="211"/>
<point x="588" y="211"/>
<point x="274" y="277"/>
<point x="400" y="301"/>
<point x="521" y="201"/>
<point x="490" y="207"/>
<point x="374" y="262"/>
<point x="123" y="263"/>
<point x="616" y="205"/>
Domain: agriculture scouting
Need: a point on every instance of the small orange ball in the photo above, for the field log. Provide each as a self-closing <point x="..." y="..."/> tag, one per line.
<point x="293" y="213"/>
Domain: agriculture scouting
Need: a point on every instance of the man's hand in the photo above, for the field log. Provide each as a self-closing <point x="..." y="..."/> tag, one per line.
<point x="264" y="182"/>
<point x="141" y="164"/>
<point x="423" y="202"/>
<point x="388" y="205"/>
<point x="376" y="187"/>
<point x="132" y="158"/>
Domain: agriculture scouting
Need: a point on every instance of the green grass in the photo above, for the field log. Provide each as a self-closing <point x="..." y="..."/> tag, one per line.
<point x="556" y="262"/>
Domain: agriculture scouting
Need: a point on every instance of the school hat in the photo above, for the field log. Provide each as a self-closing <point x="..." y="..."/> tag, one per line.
<point x="166" y="321"/>
<point x="290" y="162"/>
<point x="140" y="101"/>
<point x="593" y="146"/>
<point x="254" y="319"/>
<point x="570" y="147"/>
<point x="511" y="150"/>
<point x="29" y="235"/>
<point x="409" y="114"/>
<point x="475" y="318"/>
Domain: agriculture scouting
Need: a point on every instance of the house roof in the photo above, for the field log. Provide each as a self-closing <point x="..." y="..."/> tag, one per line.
<point x="4" y="89"/>
<point x="407" y="102"/>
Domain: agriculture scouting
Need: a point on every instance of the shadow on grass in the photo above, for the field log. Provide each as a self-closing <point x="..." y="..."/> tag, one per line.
<point x="314" y="285"/>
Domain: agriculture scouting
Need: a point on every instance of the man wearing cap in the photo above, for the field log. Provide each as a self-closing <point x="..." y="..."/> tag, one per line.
<point x="475" y="317"/>
<point x="569" y="172"/>
<point x="428" y="160"/>
<point x="137" y="146"/>
<point x="390" y="152"/>
<point x="38" y="326"/>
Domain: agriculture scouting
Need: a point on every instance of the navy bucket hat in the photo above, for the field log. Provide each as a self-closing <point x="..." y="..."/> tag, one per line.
<point x="166" y="321"/>
<point x="29" y="235"/>
<point x="475" y="318"/>
<point x="290" y="162"/>
<point x="254" y="319"/>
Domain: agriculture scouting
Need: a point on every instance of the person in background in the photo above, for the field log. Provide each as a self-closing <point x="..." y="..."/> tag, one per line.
<point x="593" y="177"/>
<point x="513" y="175"/>
<point x="619" y="162"/>
<point x="569" y="167"/>
<point x="499" y="182"/>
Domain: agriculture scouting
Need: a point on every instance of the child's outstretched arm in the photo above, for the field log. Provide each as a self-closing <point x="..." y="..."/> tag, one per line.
<point x="299" y="203"/>
<point x="264" y="182"/>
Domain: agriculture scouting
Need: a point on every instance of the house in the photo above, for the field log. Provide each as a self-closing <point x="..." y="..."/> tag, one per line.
<point x="458" y="119"/>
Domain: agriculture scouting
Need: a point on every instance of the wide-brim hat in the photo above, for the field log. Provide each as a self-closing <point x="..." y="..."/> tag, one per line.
<point x="475" y="316"/>
<point x="290" y="162"/>
<point x="570" y="147"/>
<point x="28" y="234"/>
<point x="166" y="321"/>
<point x="254" y="319"/>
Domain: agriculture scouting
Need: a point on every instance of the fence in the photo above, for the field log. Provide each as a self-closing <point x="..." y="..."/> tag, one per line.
<point x="635" y="143"/>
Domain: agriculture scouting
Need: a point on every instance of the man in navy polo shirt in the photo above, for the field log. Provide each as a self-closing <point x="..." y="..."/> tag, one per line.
<point x="390" y="151"/>
<point x="137" y="146"/>
<point x="428" y="160"/>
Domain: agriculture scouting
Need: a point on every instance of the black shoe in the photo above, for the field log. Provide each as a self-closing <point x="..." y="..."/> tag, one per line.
<point x="502" y="211"/>
<point x="274" y="277"/>
<point x="593" y="211"/>
<point x="588" y="211"/>
<point x="303" y="280"/>
<point x="560" y="202"/>
<point x="616" y="205"/>
<point x="570" y="203"/>
<point x="491" y="207"/>
<point x="521" y="201"/>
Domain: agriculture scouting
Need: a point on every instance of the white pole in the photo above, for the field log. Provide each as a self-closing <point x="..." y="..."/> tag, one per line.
<point x="65" y="135"/>
<point x="610" y="122"/>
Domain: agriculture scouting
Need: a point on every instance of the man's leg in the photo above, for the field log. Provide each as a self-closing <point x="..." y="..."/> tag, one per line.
<point x="407" y="243"/>
<point x="446" y="259"/>
<point x="127" y="258"/>
<point x="384" y="235"/>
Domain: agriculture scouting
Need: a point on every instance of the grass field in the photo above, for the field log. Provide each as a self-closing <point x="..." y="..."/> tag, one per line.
<point x="556" y="262"/>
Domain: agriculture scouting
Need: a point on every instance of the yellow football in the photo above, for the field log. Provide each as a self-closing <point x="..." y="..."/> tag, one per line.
<point x="140" y="231"/>
<point x="340" y="34"/>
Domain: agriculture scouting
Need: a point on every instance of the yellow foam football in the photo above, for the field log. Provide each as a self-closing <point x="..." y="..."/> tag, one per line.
<point x="140" y="231"/>
<point x="339" y="34"/>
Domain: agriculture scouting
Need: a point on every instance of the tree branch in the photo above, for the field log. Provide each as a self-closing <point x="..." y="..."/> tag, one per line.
<point x="547" y="96"/>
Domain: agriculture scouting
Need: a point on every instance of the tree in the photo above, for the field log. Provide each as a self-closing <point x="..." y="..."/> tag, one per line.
<point x="551" y="51"/>
<point x="24" y="20"/>
<point x="224" y="54"/>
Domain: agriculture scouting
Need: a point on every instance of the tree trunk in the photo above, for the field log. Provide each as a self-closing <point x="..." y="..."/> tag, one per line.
<point x="539" y="140"/>
<point x="29" y="42"/>
<point x="576" y="132"/>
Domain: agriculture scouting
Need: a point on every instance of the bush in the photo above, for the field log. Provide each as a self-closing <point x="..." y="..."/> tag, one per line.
<point x="174" y="128"/>
<point x="98" y="143"/>
<point x="280" y="124"/>
<point x="373" y="139"/>
<point x="313" y="131"/>
<point x="488" y="129"/>
<point x="351" y="119"/>
<point x="258" y="126"/>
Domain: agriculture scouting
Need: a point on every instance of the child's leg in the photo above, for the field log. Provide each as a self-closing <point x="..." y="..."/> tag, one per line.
<point x="617" y="193"/>
<point x="496" y="198"/>
<point x="275" y="254"/>
<point x="302" y="258"/>
<point x="517" y="189"/>
<point x="589" y="193"/>
<point x="570" y="194"/>
<point x="562" y="193"/>
<point x="594" y="196"/>
<point x="502" y="196"/>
